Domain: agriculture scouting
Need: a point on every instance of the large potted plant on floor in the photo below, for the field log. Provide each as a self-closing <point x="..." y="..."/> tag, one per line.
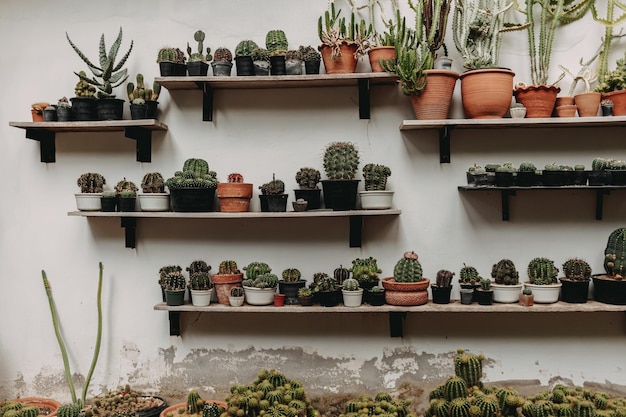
<point x="542" y="280"/>
<point x="290" y="283"/>
<point x="91" y="185"/>
<point x="506" y="285"/>
<point x="197" y="64"/>
<point x="153" y="196"/>
<point x="610" y="287"/>
<point x="308" y="180"/>
<point x="477" y="26"/>
<point x="376" y="196"/>
<point x="260" y="284"/>
<point x="106" y="76"/>
<point x="234" y="196"/>
<point x="341" y="162"/>
<point x="575" y="283"/>
<point x="228" y="277"/>
<point x="200" y="285"/>
<point x="273" y="197"/>
<point x="407" y="287"/>
<point x="193" y="188"/>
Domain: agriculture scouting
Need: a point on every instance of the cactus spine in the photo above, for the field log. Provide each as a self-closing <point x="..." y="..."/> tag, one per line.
<point x="273" y="187"/>
<point x="193" y="398"/>
<point x="341" y="161"/>
<point x="408" y="269"/>
<point x="276" y="41"/>
<point x="469" y="367"/>
<point x="245" y="47"/>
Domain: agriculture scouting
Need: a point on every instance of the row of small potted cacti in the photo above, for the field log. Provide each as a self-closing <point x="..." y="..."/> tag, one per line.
<point x="603" y="172"/>
<point x="193" y="188"/>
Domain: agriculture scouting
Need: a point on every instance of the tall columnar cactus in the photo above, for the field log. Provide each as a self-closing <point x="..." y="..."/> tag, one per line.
<point x="245" y="47"/>
<point x="455" y="387"/>
<point x="615" y="253"/>
<point x="91" y="182"/>
<point x="276" y="40"/>
<point x="291" y="275"/>
<point x="469" y="275"/>
<point x="228" y="267"/>
<point x="365" y="269"/>
<point x="408" y="269"/>
<point x="505" y="273"/>
<point x="375" y="177"/>
<point x="308" y="178"/>
<point x="469" y="367"/>
<point x="193" y="400"/>
<point x="341" y="160"/>
<point x="351" y="284"/>
<point x="273" y="187"/>
<point x="140" y="91"/>
<point x="255" y="269"/>
<point x="153" y="182"/>
<point x="542" y="271"/>
<point x="444" y="278"/>
<point x="577" y="269"/>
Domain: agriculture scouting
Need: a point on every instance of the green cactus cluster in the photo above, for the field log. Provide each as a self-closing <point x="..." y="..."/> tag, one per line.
<point x="615" y="253"/>
<point x="153" y="182"/>
<point x="245" y="47"/>
<point x="254" y="269"/>
<point x="322" y="282"/>
<point x="276" y="42"/>
<point x="577" y="269"/>
<point x="200" y="281"/>
<point x="125" y="185"/>
<point x="228" y="267"/>
<point x="365" y="270"/>
<point x="444" y="278"/>
<point x="505" y="273"/>
<point x="141" y="92"/>
<point x="223" y="54"/>
<point x="291" y="275"/>
<point x="375" y="177"/>
<point x="266" y="280"/>
<point x="341" y="160"/>
<point x="195" y="174"/>
<point x="309" y="53"/>
<point x="260" y="54"/>
<point x="66" y="410"/>
<point x="527" y="167"/>
<point x="273" y="187"/>
<point x="122" y="400"/>
<point x="469" y="275"/>
<point x="211" y="409"/>
<point x="199" y="56"/>
<point x="382" y="404"/>
<point x="165" y="270"/>
<point x="455" y="387"/>
<point x="174" y="281"/>
<point x="408" y="269"/>
<point x="351" y="284"/>
<point x="485" y="284"/>
<point x="169" y="54"/>
<point x="308" y="178"/>
<point x="83" y="88"/>
<point x="542" y="271"/>
<point x="91" y="182"/>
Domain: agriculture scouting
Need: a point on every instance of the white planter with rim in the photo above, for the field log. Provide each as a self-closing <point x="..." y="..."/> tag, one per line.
<point x="376" y="200"/>
<point x="201" y="298"/>
<point x="88" y="201"/>
<point x="545" y="294"/>
<point x="259" y="296"/>
<point x="352" y="298"/>
<point x="236" y="301"/>
<point x="154" y="202"/>
<point x="506" y="293"/>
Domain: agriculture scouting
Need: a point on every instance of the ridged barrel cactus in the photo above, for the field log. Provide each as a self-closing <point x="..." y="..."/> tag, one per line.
<point x="408" y="269"/>
<point x="291" y="275"/>
<point x="542" y="271"/>
<point x="577" y="269"/>
<point x="505" y="273"/>
<point x="245" y="47"/>
<point x="341" y="160"/>
<point x="195" y="174"/>
<point x="153" y="182"/>
<point x="351" y="284"/>
<point x="255" y="269"/>
<point x="375" y="177"/>
<point x="469" y="275"/>
<point x="276" y="41"/>
<point x="469" y="367"/>
<point x="615" y="253"/>
<point x="228" y="267"/>
<point x="91" y="182"/>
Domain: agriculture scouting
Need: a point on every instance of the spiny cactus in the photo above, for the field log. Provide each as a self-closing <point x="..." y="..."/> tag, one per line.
<point x="488" y="405"/>
<point x="469" y="367"/>
<point x="68" y="410"/>
<point x="91" y="182"/>
<point x="198" y="266"/>
<point x="577" y="269"/>
<point x="375" y="176"/>
<point x="211" y="409"/>
<point x="260" y="54"/>
<point x="223" y="54"/>
<point x="309" y="53"/>
<point x="166" y="270"/>
<point x="125" y="185"/>
<point x="291" y="275"/>
<point x="200" y="281"/>
<point x="273" y="187"/>
<point x="276" y="40"/>
<point x="485" y="284"/>
<point x="615" y="253"/>
<point x="505" y="273"/>
<point x="341" y="160"/>
<point x="455" y="387"/>
<point x="153" y="182"/>
<point x="324" y="283"/>
<point x="193" y="398"/>
<point x="228" y="268"/>
<point x="245" y="47"/>
<point x="199" y="56"/>
<point x="169" y="54"/>
<point x="527" y="167"/>
<point x="255" y="269"/>
<point x="351" y="284"/>
<point x="308" y="178"/>
<point x="341" y="274"/>
<point x="174" y="281"/>
<point x="408" y="269"/>
<point x="195" y="174"/>
<point x="469" y="275"/>
<point x="141" y="92"/>
<point x="444" y="278"/>
<point x="542" y="271"/>
<point x="459" y="407"/>
<point x="235" y="178"/>
<point x="236" y="292"/>
<point x="365" y="270"/>
<point x="83" y="88"/>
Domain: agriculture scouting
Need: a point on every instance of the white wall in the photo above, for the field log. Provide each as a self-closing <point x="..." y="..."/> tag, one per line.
<point x="259" y="133"/>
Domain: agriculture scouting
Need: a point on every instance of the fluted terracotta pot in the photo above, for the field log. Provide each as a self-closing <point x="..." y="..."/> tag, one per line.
<point x="433" y="102"/>
<point x="487" y="92"/>
<point x="341" y="64"/>
<point x="539" y="100"/>
<point x="588" y="104"/>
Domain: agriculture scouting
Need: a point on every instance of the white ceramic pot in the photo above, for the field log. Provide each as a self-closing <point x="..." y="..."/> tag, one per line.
<point x="235" y="301"/>
<point x="376" y="200"/>
<point x="506" y="293"/>
<point x="352" y="298"/>
<point x="259" y="296"/>
<point x="545" y="294"/>
<point x="517" y="112"/>
<point x="88" y="201"/>
<point x="154" y="202"/>
<point x="201" y="298"/>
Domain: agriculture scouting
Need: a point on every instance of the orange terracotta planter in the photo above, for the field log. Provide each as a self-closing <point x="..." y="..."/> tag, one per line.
<point x="433" y="102"/>
<point x="539" y="100"/>
<point x="566" y="110"/>
<point x="234" y="197"/>
<point x="619" y="101"/>
<point x="487" y="93"/>
<point x="223" y="284"/>
<point x="341" y="64"/>
<point x="44" y="404"/>
<point x="37" y="117"/>
<point x="588" y="104"/>
<point x="378" y="53"/>
<point x="174" y="409"/>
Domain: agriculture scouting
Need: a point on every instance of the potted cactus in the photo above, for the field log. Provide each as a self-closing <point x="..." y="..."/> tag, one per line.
<point x="197" y="64"/>
<point x="200" y="285"/>
<point x="228" y="277"/>
<point x="109" y="201"/>
<point x="293" y="62"/>
<point x="610" y="287"/>
<point x="234" y="196"/>
<point x="376" y="196"/>
<point x="222" y="62"/>
<point x="64" y="110"/>
<point x="364" y="270"/>
<point x="506" y="285"/>
<point x="127" y="192"/>
<point x="575" y="283"/>
<point x="476" y="176"/>
<point x="289" y="285"/>
<point x="375" y="296"/>
<point x="277" y="45"/>
<point x="526" y="175"/>
<point x="84" y="100"/>
<point x="484" y="293"/>
<point x="407" y="287"/>
<point x="442" y="287"/>
<point x="505" y="175"/>
<point x="174" y="286"/>
<point x="260" y="284"/>
<point x="352" y="293"/>
<point x="193" y="188"/>
<point x="91" y="185"/>
<point x="149" y="95"/>
<point x="526" y="297"/>
<point x="557" y="175"/>
<point x="273" y="197"/>
<point x="171" y="62"/>
<point x="341" y="162"/>
<point x="236" y="297"/>
<point x="153" y="196"/>
<point x="308" y="180"/>
<point x="327" y="290"/>
<point x="261" y="61"/>
<point x="243" y="57"/>
<point x="305" y="296"/>
<point x="311" y="58"/>
<point x="599" y="174"/>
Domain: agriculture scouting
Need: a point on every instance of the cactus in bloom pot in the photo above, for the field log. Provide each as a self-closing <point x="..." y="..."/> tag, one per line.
<point x="506" y="285"/>
<point x="235" y="194"/>
<point x="341" y="162"/>
<point x="407" y="286"/>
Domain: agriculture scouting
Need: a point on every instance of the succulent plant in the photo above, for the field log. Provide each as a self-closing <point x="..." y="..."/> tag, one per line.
<point x="293" y="54"/>
<point x="260" y="54"/>
<point x="245" y="47"/>
<point x="82" y="87"/>
<point x="91" y="182"/>
<point x="375" y="176"/>
<point x="128" y="194"/>
<point x="308" y="178"/>
<point x="351" y="284"/>
<point x="195" y="174"/>
<point x="199" y="56"/>
<point x="444" y="278"/>
<point x="527" y="167"/>
<point x="527" y="291"/>
<point x="304" y="292"/>
<point x="325" y="283"/>
<point x="365" y="270"/>
<point x="166" y="270"/>
<point x="198" y="266"/>
<point x="542" y="271"/>
<point x="291" y="275"/>
<point x="109" y="194"/>
<point x="506" y="167"/>
<point x="273" y="187"/>
<point x="153" y="182"/>
<point x="141" y="92"/>
<point x="455" y="387"/>
<point x="341" y="160"/>
<point x="235" y="178"/>
<point x="223" y="54"/>
<point x="505" y="273"/>
<point x="408" y="269"/>
<point x="341" y="274"/>
<point x="600" y="164"/>
<point x="309" y="53"/>
<point x="169" y="54"/>
<point x="469" y="275"/>
<point x="577" y="269"/>
<point x="255" y="269"/>
<point x="382" y="404"/>
<point x="469" y="367"/>
<point x="485" y="284"/>
<point x="615" y="253"/>
<point x="228" y="268"/>
<point x="200" y="280"/>
<point x="236" y="292"/>
<point x="476" y="170"/>
<point x="276" y="40"/>
<point x="264" y="280"/>
<point x="125" y="185"/>
<point x="174" y="281"/>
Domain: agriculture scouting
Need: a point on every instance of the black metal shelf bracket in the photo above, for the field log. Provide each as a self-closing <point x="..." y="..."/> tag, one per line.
<point x="600" y="202"/>
<point x="47" y="148"/>
<point x="364" y="98"/>
<point x="207" y="101"/>
<point x="356" y="231"/>
<point x="444" y="144"/>
<point x="130" y="230"/>
<point x="505" y="194"/>
<point x="396" y="321"/>
<point x="143" y="137"/>
<point x="174" y="317"/>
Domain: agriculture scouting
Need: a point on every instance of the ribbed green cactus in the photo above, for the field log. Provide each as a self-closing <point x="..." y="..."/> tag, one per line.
<point x="245" y="47"/>
<point x="485" y="284"/>
<point x="223" y="54"/>
<point x="325" y="283"/>
<point x="577" y="269"/>
<point x="351" y="284"/>
<point x="91" y="182"/>
<point x="408" y="269"/>
<point x="375" y="177"/>
<point x="125" y="185"/>
<point x="68" y="410"/>
<point x="29" y="411"/>
<point x="542" y="271"/>
<point x="266" y="280"/>
<point x="174" y="281"/>
<point x="199" y="166"/>
<point x="341" y="274"/>
<point x="291" y="275"/>
<point x="505" y="273"/>
<point x="166" y="270"/>
<point x="365" y="270"/>
<point x="276" y="40"/>
<point x="509" y="401"/>
<point x="273" y="187"/>
<point x="169" y="54"/>
<point x="341" y="160"/>
<point x="193" y="398"/>
<point x="236" y="292"/>
<point x="254" y="269"/>
<point x="469" y="367"/>
<point x="459" y="407"/>
<point x="488" y="405"/>
<point x="83" y="88"/>
<point x="198" y="266"/>
<point x="455" y="387"/>
<point x="527" y="167"/>
<point x="228" y="267"/>
<point x="308" y="178"/>
<point x="444" y="278"/>
<point x="200" y="281"/>
<point x="615" y="253"/>
<point x="469" y="275"/>
<point x="195" y="174"/>
<point x="153" y="182"/>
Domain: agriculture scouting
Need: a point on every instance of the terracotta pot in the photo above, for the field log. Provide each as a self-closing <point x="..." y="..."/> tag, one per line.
<point x="390" y="284"/>
<point x="566" y="110"/>
<point x="406" y="298"/>
<point x="487" y="93"/>
<point x="564" y="100"/>
<point x="234" y="197"/>
<point x="48" y="407"/>
<point x="539" y="100"/>
<point x="588" y="104"/>
<point x="619" y="101"/>
<point x="433" y="102"/>
<point x="173" y="409"/>
<point x="526" y="300"/>
<point x="37" y="117"/>
<point x="341" y="64"/>
<point x="223" y="284"/>
<point x="377" y="53"/>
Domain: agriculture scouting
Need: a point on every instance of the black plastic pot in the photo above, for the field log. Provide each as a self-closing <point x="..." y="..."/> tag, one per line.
<point x="110" y="109"/>
<point x="441" y="295"/>
<point x="50" y="115"/>
<point x="484" y="298"/>
<point x="557" y="178"/>
<point x="574" y="291"/>
<point x="290" y="289"/>
<point x="277" y="65"/>
<point x="83" y="108"/>
<point x="504" y="179"/>
<point x="374" y="298"/>
<point x="197" y="68"/>
<point x="330" y="298"/>
<point x="64" y="114"/>
<point x="127" y="204"/>
<point x="311" y="67"/>
<point x="616" y="176"/>
<point x="598" y="177"/>
<point x="609" y="291"/>
<point x="273" y="202"/>
<point x="340" y="195"/>
<point x="109" y="204"/>
<point x="313" y="197"/>
<point x="152" y="109"/>
<point x="192" y="199"/>
<point x="526" y="178"/>
<point x="580" y="177"/>
<point x="245" y="66"/>
<point x="138" y="111"/>
<point x="172" y="69"/>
